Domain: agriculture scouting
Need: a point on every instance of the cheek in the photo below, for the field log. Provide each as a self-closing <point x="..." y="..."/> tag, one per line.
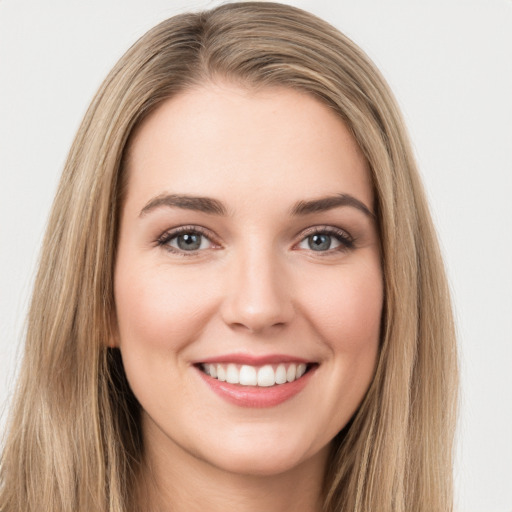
<point x="346" y="313"/>
<point x="157" y="309"/>
<point x="159" y="314"/>
<point x="347" y="309"/>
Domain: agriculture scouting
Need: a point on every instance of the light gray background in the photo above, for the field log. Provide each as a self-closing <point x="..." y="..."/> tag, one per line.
<point x="450" y="65"/>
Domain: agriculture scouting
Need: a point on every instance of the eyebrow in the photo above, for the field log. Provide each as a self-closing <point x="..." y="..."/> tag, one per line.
<point x="199" y="204"/>
<point x="328" y="203"/>
<point x="214" y="206"/>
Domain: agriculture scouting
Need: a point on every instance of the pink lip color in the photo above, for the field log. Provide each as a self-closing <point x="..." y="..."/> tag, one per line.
<point x="253" y="360"/>
<point x="255" y="396"/>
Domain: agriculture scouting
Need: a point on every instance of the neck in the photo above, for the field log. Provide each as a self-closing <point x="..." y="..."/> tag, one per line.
<point x="173" y="479"/>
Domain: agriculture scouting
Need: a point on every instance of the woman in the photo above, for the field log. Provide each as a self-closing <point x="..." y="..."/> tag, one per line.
<point x="240" y="299"/>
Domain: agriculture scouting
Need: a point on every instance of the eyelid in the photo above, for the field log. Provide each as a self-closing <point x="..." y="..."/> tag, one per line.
<point x="164" y="239"/>
<point x="346" y="239"/>
<point x="343" y="236"/>
<point x="326" y="228"/>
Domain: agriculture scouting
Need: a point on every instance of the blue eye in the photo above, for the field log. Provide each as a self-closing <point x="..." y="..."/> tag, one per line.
<point x="188" y="242"/>
<point x="320" y="242"/>
<point x="185" y="240"/>
<point x="326" y="239"/>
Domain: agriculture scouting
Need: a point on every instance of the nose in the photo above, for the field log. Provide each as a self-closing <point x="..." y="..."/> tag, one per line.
<point x="259" y="294"/>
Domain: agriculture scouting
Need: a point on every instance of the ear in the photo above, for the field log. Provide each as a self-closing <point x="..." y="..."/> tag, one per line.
<point x="113" y="337"/>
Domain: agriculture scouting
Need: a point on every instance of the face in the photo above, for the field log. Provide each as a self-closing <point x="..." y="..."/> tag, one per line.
<point x="248" y="282"/>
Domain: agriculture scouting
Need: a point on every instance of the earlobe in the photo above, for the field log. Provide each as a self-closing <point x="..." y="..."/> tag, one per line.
<point x="112" y="340"/>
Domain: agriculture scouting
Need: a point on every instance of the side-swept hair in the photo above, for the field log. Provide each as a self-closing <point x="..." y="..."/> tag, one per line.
<point x="74" y="441"/>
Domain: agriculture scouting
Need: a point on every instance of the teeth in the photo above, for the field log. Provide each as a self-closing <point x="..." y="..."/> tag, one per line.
<point x="301" y="370"/>
<point x="266" y="376"/>
<point x="281" y="374"/>
<point x="221" y="373"/>
<point x="232" y="374"/>
<point x="291" y="374"/>
<point x="263" y="376"/>
<point x="248" y="376"/>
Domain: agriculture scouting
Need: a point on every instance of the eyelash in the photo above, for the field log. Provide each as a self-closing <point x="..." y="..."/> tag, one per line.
<point x="345" y="239"/>
<point x="164" y="239"/>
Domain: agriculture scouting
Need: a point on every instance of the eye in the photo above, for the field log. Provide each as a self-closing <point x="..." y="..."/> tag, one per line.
<point x="185" y="239"/>
<point x="319" y="242"/>
<point x="325" y="239"/>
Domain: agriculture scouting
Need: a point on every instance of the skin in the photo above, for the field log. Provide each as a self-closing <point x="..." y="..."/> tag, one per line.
<point x="255" y="287"/>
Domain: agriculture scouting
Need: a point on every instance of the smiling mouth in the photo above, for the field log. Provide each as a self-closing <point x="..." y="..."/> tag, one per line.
<point x="267" y="375"/>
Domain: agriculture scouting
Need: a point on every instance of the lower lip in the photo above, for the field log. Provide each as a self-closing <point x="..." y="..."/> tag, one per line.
<point x="256" y="396"/>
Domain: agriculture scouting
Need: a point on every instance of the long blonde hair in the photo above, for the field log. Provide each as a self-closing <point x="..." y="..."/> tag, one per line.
<point x="74" y="441"/>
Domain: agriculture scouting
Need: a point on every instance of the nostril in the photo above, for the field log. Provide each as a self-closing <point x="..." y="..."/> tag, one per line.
<point x="254" y="327"/>
<point x="258" y="298"/>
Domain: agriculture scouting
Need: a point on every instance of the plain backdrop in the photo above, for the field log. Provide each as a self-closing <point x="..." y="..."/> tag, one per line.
<point x="449" y="63"/>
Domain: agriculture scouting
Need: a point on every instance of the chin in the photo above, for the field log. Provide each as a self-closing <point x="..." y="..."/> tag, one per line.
<point x="258" y="464"/>
<point x="266" y="458"/>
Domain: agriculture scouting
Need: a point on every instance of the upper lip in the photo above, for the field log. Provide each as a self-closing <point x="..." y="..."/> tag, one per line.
<point x="253" y="360"/>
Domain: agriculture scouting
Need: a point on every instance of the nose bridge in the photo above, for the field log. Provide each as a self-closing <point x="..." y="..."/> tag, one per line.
<point x="259" y="294"/>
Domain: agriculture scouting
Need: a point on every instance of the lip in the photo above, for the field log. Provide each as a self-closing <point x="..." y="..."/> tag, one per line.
<point x="256" y="396"/>
<point x="252" y="360"/>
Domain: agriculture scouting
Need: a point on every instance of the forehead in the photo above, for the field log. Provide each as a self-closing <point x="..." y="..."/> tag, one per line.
<point x="219" y="140"/>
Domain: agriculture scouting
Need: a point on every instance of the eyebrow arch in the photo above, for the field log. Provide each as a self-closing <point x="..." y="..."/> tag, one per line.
<point x="328" y="203"/>
<point x="200" y="204"/>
